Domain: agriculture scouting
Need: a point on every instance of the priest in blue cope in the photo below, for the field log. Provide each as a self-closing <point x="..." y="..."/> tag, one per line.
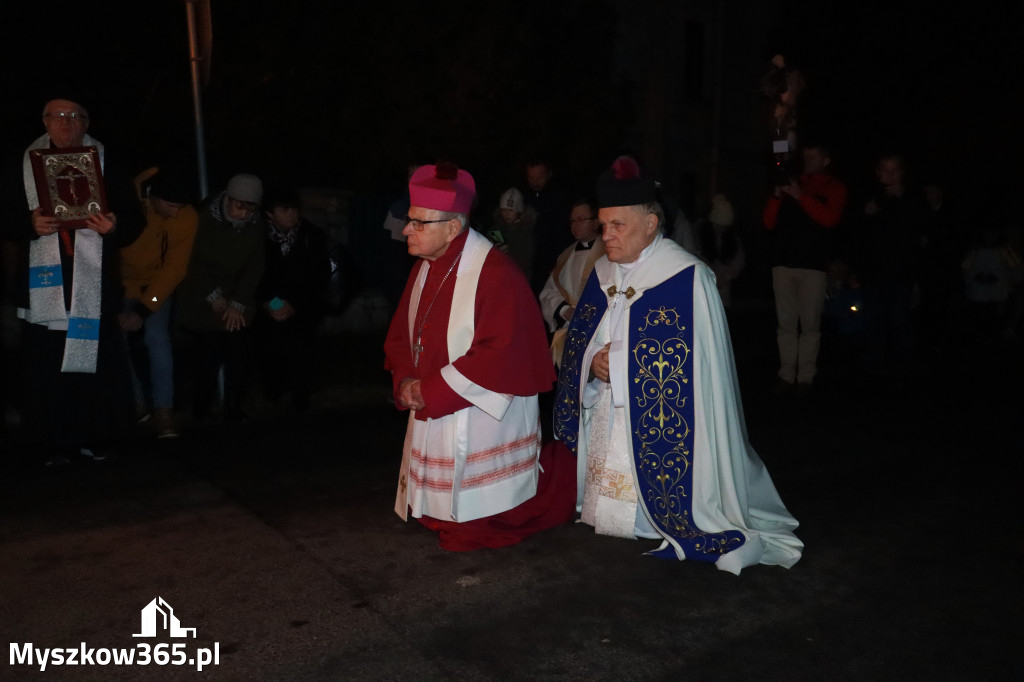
<point x="648" y="399"/>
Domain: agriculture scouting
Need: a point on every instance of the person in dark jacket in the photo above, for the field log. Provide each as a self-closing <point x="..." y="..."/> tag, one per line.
<point x="887" y="262"/>
<point x="291" y="298"/>
<point x="217" y="299"/>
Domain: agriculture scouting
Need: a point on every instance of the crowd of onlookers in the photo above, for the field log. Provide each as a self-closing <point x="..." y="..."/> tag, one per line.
<point x="900" y="272"/>
<point x="128" y="301"/>
<point x="885" y="272"/>
<point x="215" y="298"/>
<point x="218" y="296"/>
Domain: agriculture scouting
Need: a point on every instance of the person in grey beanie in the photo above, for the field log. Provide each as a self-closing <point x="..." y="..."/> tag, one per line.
<point x="217" y="297"/>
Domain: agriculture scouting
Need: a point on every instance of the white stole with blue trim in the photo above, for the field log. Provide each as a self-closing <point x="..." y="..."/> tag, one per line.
<point x="46" y="281"/>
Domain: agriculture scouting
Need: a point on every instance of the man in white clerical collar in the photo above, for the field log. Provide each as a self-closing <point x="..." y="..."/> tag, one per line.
<point x="563" y="287"/>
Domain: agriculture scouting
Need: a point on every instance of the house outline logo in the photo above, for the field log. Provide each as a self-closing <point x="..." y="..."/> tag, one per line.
<point x="158" y="616"/>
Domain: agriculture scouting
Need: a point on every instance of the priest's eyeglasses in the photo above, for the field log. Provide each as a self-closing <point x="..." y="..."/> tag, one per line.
<point x="418" y="224"/>
<point x="69" y="116"/>
<point x="573" y="221"/>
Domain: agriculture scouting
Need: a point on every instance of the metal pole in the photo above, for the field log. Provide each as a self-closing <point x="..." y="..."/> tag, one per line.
<point x="194" y="58"/>
<point x="716" y="116"/>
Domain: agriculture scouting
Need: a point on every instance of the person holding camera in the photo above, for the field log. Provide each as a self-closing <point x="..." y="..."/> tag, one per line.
<point x="802" y="214"/>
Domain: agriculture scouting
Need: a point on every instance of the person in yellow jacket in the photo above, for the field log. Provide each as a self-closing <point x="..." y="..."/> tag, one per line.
<point x="151" y="269"/>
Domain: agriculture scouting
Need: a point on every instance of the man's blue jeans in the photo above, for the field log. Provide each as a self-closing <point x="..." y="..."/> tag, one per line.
<point x="157" y="337"/>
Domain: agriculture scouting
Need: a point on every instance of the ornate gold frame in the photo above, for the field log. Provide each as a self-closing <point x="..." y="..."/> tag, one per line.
<point x="69" y="184"/>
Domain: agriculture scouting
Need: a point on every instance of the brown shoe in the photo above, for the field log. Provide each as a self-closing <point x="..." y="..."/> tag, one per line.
<point x="165" y="426"/>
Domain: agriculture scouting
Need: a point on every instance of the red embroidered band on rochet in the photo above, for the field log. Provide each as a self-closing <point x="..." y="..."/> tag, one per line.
<point x="446" y="465"/>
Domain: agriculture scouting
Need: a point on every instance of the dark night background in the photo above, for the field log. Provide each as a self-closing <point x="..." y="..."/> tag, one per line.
<point x="336" y="94"/>
<point x="276" y="537"/>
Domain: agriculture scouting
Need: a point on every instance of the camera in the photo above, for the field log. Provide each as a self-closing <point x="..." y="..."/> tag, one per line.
<point x="782" y="171"/>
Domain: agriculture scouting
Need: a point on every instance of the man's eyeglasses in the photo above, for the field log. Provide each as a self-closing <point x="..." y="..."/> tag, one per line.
<point x="70" y="116"/>
<point x="573" y="221"/>
<point x="418" y="224"/>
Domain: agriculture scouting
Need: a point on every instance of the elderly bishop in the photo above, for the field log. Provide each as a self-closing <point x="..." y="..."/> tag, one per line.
<point x="648" y="398"/>
<point x="468" y="355"/>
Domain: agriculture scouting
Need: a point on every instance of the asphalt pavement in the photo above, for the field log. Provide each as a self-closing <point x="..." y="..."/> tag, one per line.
<point x="276" y="541"/>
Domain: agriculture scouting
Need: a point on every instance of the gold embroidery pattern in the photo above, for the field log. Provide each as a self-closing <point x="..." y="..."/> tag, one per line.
<point x="567" y="408"/>
<point x="661" y="377"/>
<point x="661" y="430"/>
<point x="609" y="482"/>
<point x="46" y="276"/>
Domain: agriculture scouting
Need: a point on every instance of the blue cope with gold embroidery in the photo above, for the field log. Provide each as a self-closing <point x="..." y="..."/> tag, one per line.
<point x="661" y="412"/>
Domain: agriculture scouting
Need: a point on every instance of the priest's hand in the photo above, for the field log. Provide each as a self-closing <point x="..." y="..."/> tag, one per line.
<point x="409" y="394"/>
<point x="44" y="225"/>
<point x="103" y="223"/>
<point x="599" y="365"/>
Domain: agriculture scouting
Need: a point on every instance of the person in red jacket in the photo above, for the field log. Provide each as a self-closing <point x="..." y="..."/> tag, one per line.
<point x="803" y="214"/>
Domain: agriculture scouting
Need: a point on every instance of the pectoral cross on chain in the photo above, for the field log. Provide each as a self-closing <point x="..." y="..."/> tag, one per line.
<point x="418" y="347"/>
<point x="416" y="350"/>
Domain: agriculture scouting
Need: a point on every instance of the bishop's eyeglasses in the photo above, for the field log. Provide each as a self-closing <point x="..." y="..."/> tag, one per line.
<point x="419" y="224"/>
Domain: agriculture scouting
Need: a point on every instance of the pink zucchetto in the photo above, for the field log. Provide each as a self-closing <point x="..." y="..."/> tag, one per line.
<point x="444" y="187"/>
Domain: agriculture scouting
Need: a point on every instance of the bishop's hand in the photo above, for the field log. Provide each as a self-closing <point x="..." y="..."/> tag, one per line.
<point x="409" y="394"/>
<point x="599" y="365"/>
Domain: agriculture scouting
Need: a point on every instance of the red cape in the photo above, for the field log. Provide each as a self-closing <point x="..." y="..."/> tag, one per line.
<point x="509" y="352"/>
